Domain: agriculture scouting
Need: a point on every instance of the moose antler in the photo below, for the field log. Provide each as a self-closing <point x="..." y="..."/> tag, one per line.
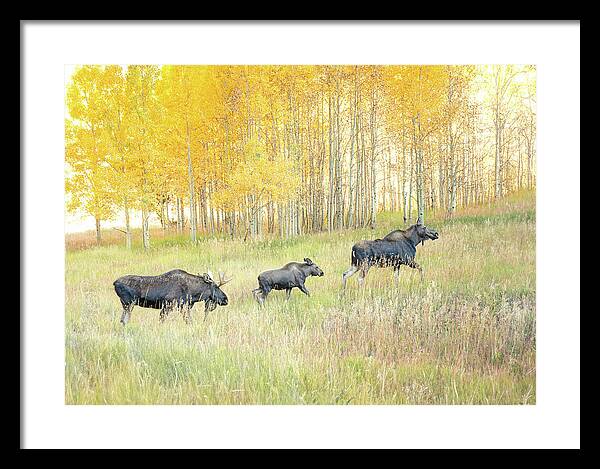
<point x="223" y="280"/>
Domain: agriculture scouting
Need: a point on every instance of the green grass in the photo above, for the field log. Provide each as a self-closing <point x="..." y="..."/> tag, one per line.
<point x="466" y="335"/>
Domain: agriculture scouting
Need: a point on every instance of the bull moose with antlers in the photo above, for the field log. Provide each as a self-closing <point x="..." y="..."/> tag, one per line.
<point x="175" y="289"/>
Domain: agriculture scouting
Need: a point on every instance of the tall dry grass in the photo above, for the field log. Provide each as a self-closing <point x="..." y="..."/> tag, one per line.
<point x="466" y="335"/>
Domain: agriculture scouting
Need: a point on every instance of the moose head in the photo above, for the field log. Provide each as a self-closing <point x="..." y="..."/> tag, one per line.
<point x="216" y="296"/>
<point x="423" y="233"/>
<point x="313" y="268"/>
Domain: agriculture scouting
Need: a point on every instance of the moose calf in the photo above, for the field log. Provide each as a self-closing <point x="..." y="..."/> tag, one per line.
<point x="291" y="275"/>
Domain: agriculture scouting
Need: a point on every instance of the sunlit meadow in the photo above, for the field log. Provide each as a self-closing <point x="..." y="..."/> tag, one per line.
<point x="465" y="335"/>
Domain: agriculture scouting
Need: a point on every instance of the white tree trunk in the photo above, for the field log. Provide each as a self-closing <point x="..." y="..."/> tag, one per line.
<point x="191" y="188"/>
<point x="145" y="229"/>
<point x="127" y="226"/>
<point x="98" y="232"/>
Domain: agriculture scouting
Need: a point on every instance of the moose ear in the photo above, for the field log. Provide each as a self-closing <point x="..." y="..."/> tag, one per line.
<point x="207" y="278"/>
<point x="308" y="261"/>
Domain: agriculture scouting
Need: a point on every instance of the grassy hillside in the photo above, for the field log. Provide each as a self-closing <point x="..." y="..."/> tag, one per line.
<point x="466" y="335"/>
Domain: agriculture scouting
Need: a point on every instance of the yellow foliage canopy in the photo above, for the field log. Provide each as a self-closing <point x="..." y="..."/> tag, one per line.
<point x="258" y="179"/>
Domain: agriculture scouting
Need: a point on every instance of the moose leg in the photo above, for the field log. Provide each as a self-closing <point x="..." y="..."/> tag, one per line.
<point x="304" y="290"/>
<point x="126" y="313"/>
<point x="288" y="292"/>
<point x="187" y="314"/>
<point x="259" y="295"/>
<point x="164" y="312"/>
<point x="364" y="269"/>
<point x="397" y="274"/>
<point x="262" y="296"/>
<point x="349" y="273"/>
<point x="414" y="265"/>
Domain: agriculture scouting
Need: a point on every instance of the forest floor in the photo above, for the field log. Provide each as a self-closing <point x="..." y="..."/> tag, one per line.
<point x="465" y="335"/>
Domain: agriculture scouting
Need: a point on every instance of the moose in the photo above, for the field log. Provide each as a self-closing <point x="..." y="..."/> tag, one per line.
<point x="397" y="248"/>
<point x="175" y="289"/>
<point x="291" y="275"/>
